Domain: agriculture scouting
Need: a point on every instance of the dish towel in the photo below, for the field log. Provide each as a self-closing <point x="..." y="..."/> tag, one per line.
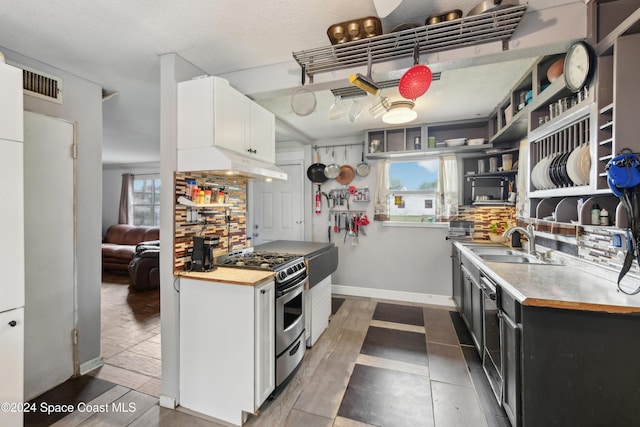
<point x="448" y="187"/>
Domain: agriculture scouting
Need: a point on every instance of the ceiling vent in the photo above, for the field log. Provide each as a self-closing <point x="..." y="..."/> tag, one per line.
<point x="355" y="92"/>
<point x="42" y="85"/>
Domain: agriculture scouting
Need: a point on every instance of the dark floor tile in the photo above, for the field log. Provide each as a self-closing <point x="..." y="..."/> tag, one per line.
<point x="464" y="337"/>
<point x="70" y="392"/>
<point x="493" y="412"/>
<point x="387" y="398"/>
<point x="336" y="303"/>
<point x="398" y="345"/>
<point x="399" y="314"/>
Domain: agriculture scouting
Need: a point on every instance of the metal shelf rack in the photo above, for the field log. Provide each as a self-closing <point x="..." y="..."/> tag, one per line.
<point x="471" y="30"/>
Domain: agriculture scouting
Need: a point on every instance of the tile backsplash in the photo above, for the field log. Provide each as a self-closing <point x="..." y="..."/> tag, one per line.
<point x="595" y="245"/>
<point x="211" y="221"/>
<point x="484" y="216"/>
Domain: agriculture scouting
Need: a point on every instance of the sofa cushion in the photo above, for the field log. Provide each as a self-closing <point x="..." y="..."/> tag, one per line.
<point x="126" y="234"/>
<point x="124" y="252"/>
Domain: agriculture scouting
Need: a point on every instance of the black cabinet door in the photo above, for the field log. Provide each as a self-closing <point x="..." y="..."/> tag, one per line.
<point x="457" y="279"/>
<point x="511" y="369"/>
<point x="467" y="284"/>
<point x="477" y="313"/>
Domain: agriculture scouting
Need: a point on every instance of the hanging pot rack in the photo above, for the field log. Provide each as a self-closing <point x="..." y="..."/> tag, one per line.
<point x="471" y="30"/>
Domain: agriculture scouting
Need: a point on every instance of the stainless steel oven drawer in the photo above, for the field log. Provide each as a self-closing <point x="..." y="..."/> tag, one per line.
<point x="287" y="362"/>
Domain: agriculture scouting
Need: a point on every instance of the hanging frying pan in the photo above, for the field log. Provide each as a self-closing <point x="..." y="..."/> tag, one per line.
<point x="333" y="170"/>
<point x="416" y="80"/>
<point x="315" y="172"/>
<point x="347" y="173"/>
<point x="362" y="169"/>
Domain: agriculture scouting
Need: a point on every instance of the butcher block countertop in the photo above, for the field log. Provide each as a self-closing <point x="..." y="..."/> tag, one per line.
<point x="576" y="285"/>
<point x="236" y="276"/>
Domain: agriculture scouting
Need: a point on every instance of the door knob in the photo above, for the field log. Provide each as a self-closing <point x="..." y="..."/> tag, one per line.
<point x="13" y="323"/>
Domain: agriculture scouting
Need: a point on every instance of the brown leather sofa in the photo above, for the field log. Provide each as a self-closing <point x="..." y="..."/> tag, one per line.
<point x="119" y="244"/>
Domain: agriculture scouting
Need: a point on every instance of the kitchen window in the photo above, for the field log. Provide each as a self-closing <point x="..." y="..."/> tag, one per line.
<point x="417" y="191"/>
<point x="146" y="200"/>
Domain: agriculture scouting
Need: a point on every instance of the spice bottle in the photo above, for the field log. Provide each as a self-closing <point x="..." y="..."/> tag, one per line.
<point x="595" y="215"/>
<point x="604" y="217"/>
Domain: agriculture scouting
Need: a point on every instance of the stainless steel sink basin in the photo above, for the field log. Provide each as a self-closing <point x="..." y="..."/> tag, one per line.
<point x="519" y="258"/>
<point x="495" y="251"/>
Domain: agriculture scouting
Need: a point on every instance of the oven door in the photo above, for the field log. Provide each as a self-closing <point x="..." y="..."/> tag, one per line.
<point x="289" y="316"/>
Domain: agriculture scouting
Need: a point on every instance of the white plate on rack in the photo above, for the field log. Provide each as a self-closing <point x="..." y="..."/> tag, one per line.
<point x="572" y="166"/>
<point x="535" y="179"/>
<point x="584" y="164"/>
<point x="546" y="178"/>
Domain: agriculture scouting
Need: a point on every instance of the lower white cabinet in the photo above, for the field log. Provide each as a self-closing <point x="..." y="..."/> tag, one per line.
<point x="317" y="309"/>
<point x="11" y="366"/>
<point x="227" y="348"/>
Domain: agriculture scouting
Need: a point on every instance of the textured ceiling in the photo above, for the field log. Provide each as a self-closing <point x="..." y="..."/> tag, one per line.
<point x="116" y="43"/>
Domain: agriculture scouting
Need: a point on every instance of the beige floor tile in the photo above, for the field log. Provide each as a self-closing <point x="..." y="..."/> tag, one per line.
<point x="153" y="387"/>
<point x="397" y="326"/>
<point x="124" y="377"/>
<point x="378" y="362"/>
<point x="346" y="422"/>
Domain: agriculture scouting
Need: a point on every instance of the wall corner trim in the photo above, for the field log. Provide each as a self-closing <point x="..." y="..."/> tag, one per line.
<point x="90" y="365"/>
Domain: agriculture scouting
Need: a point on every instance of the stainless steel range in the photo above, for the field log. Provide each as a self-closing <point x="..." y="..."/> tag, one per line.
<point x="290" y="279"/>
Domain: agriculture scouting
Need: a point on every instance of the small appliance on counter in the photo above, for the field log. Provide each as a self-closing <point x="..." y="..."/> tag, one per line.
<point x="202" y="256"/>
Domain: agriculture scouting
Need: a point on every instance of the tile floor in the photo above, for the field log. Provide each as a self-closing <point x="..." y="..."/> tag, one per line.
<point x="378" y="364"/>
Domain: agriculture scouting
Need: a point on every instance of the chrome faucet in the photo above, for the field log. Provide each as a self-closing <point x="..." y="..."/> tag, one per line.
<point x="529" y="233"/>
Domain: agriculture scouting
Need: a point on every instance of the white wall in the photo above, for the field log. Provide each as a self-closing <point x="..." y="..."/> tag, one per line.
<point x="112" y="185"/>
<point x="412" y="263"/>
<point x="83" y="105"/>
<point x="173" y="69"/>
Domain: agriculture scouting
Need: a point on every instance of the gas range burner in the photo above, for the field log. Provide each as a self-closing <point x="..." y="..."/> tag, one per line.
<point x="258" y="260"/>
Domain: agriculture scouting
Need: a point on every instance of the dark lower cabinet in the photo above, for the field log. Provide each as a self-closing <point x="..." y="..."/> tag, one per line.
<point x="466" y="298"/>
<point x="472" y="304"/>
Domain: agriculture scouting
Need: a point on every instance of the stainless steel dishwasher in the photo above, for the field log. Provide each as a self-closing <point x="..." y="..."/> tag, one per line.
<point x="491" y="345"/>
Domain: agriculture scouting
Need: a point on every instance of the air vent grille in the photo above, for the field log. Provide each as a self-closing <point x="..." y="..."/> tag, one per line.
<point x="41" y="85"/>
<point x="355" y="92"/>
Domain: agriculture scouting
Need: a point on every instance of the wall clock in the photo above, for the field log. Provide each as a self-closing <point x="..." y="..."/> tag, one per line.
<point x="579" y="66"/>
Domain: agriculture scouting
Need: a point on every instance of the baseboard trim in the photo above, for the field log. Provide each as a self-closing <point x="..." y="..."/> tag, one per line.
<point x="167" y="402"/>
<point x="387" y="294"/>
<point x="90" y="365"/>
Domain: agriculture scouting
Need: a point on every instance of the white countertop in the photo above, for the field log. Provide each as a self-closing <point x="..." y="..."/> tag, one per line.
<point x="575" y="285"/>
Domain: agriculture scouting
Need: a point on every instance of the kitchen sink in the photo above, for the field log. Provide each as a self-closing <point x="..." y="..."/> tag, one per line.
<point x="501" y="253"/>
<point x="520" y="258"/>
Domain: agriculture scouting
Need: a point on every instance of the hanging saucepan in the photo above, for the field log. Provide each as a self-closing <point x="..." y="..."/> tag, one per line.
<point x="347" y="173"/>
<point x="333" y="170"/>
<point x="315" y="172"/>
<point x="362" y="169"/>
<point x="416" y="80"/>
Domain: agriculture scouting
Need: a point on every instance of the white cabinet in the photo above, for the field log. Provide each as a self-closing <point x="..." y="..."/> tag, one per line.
<point x="211" y="113"/>
<point x="263" y="134"/>
<point x="227" y="356"/>
<point x="11" y="365"/>
<point x="11" y="225"/>
<point x="317" y="309"/>
<point x="265" y="341"/>
<point x="11" y="103"/>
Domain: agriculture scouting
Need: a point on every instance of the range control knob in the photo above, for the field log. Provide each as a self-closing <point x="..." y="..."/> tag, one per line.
<point x="282" y="275"/>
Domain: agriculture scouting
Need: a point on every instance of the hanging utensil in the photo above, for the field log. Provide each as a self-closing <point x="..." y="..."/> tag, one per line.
<point x="303" y="100"/>
<point x="365" y="83"/>
<point x="416" y="80"/>
<point x="362" y="169"/>
<point x="315" y="172"/>
<point x="333" y="170"/>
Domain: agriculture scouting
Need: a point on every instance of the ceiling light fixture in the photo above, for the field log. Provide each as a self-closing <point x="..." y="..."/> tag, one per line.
<point x="400" y="112"/>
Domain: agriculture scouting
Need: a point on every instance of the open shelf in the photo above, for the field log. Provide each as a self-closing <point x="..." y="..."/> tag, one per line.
<point x="471" y="30"/>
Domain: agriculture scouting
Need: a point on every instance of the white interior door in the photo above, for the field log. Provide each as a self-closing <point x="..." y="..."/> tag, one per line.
<point x="278" y="207"/>
<point x="49" y="252"/>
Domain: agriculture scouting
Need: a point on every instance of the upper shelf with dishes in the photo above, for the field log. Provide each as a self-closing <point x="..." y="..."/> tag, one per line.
<point x="496" y="25"/>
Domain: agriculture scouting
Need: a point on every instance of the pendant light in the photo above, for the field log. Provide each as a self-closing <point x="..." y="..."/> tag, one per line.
<point x="400" y="112"/>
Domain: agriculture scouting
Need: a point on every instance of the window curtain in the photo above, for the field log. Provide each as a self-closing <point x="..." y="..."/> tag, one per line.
<point x="522" y="203"/>
<point x="447" y="192"/>
<point x="125" y="216"/>
<point x="381" y="206"/>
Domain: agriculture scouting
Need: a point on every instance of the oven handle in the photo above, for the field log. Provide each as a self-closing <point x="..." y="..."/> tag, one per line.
<point x="294" y="289"/>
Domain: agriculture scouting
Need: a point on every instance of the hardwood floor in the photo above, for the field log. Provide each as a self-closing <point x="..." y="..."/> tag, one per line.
<point x="130" y="342"/>
<point x="357" y="374"/>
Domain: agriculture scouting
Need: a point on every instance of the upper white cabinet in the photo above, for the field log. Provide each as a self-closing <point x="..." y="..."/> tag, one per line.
<point x="212" y="113"/>
<point x="11" y="103"/>
<point x="262" y="143"/>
